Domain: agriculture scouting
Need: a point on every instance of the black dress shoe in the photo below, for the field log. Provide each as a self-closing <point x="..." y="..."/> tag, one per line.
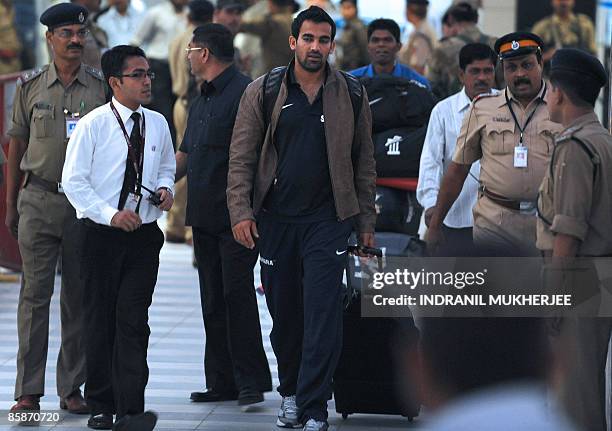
<point x="101" y="421"/>
<point x="212" y="396"/>
<point x="143" y="422"/>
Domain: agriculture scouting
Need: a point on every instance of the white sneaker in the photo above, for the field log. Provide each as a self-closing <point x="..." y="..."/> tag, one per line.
<point x="314" y="425"/>
<point x="288" y="413"/>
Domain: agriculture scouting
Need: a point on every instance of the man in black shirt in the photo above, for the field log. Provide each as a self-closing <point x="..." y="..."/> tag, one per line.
<point x="301" y="185"/>
<point x="235" y="363"/>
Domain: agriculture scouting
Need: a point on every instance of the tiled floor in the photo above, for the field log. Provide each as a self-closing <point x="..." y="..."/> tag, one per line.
<point x="175" y="361"/>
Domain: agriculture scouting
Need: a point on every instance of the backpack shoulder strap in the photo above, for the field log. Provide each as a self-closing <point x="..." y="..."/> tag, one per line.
<point x="271" y="87"/>
<point x="355" y="89"/>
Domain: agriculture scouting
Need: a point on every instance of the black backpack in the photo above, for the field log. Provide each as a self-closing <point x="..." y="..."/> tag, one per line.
<point x="272" y="84"/>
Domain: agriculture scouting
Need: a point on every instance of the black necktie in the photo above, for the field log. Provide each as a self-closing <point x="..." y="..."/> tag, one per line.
<point x="129" y="179"/>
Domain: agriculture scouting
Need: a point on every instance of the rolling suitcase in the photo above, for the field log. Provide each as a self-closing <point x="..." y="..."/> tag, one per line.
<point x="366" y="380"/>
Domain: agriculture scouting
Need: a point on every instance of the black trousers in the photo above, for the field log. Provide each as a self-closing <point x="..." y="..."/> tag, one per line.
<point x="301" y="271"/>
<point x="234" y="357"/>
<point x="120" y="272"/>
<point x="458" y="242"/>
<point x="161" y="89"/>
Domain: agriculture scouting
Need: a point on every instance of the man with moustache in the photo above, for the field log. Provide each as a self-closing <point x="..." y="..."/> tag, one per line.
<point x="235" y="362"/>
<point x="119" y="176"/>
<point x="298" y="187"/>
<point x="513" y="137"/>
<point x="477" y="72"/>
<point x="48" y="104"/>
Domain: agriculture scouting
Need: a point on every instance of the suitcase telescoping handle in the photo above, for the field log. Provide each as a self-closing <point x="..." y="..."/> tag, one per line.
<point x="372" y="251"/>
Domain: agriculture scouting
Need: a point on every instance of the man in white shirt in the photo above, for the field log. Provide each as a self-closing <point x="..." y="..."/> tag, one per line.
<point x="477" y="72"/>
<point x="120" y="22"/>
<point x="118" y="175"/>
<point x="162" y="23"/>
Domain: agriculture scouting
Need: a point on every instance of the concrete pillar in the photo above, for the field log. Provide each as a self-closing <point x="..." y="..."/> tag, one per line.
<point x="498" y="17"/>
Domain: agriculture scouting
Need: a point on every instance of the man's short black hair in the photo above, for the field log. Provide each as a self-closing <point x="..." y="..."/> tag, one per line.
<point x="384" y="24"/>
<point x="580" y="92"/>
<point x="314" y="14"/>
<point x="113" y="60"/>
<point x="201" y="11"/>
<point x="218" y="39"/>
<point x="463" y="12"/>
<point x="466" y="354"/>
<point x="476" y="51"/>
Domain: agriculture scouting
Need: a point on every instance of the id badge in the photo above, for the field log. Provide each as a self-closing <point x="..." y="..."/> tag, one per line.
<point x="520" y="157"/>
<point x="71" y="123"/>
<point x="132" y="202"/>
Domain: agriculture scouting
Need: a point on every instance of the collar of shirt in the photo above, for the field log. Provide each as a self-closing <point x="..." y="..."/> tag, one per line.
<point x="292" y="80"/>
<point x="220" y="82"/>
<point x="124" y="112"/>
<point x="397" y="70"/>
<point x="129" y="13"/>
<point x="582" y="121"/>
<point x="556" y="20"/>
<point x="52" y="75"/>
<point x="463" y="101"/>
<point x="511" y="97"/>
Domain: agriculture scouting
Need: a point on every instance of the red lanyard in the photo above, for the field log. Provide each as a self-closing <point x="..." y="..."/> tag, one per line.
<point x="138" y="163"/>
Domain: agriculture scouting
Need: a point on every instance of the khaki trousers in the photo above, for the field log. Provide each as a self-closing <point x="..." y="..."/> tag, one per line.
<point x="48" y="226"/>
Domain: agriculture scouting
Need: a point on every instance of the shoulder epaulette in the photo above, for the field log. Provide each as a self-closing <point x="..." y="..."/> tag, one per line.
<point x="567" y="134"/>
<point x="32" y="74"/>
<point x="96" y="73"/>
<point x="483" y="96"/>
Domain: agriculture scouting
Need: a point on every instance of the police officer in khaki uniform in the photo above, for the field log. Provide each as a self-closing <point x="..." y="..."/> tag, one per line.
<point x="352" y="46"/>
<point x="274" y="30"/>
<point x="574" y="208"/>
<point x="564" y="29"/>
<point x="512" y="136"/>
<point x="443" y="67"/>
<point x="10" y="46"/>
<point x="200" y="13"/>
<point x="48" y="103"/>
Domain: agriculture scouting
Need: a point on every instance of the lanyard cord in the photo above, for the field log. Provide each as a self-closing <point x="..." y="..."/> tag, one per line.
<point x="522" y="129"/>
<point x="138" y="163"/>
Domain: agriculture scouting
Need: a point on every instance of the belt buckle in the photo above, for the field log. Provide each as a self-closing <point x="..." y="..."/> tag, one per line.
<point x="527" y="207"/>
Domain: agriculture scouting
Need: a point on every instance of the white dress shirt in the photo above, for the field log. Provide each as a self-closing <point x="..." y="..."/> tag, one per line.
<point x="159" y="27"/>
<point x="442" y="131"/>
<point x="120" y="29"/>
<point x="96" y="158"/>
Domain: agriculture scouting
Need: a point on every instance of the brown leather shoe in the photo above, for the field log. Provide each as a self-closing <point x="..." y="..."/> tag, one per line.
<point x="26" y="403"/>
<point x="75" y="403"/>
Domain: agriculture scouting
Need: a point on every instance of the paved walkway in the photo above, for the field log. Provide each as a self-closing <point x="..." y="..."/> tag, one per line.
<point x="175" y="361"/>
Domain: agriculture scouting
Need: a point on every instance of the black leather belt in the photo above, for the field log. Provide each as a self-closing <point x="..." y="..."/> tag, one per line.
<point x="522" y="206"/>
<point x="41" y="183"/>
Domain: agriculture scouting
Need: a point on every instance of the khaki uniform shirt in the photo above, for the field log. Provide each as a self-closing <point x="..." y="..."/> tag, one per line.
<point x="417" y="52"/>
<point x="179" y="65"/>
<point x="443" y="68"/>
<point x="274" y="31"/>
<point x="353" y="44"/>
<point x="39" y="119"/>
<point x="576" y="193"/>
<point x="489" y="134"/>
<point x="9" y="42"/>
<point x="577" y="32"/>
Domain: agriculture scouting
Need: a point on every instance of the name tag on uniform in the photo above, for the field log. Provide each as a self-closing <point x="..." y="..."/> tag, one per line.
<point x="520" y="157"/>
<point x="71" y="123"/>
<point x="132" y="202"/>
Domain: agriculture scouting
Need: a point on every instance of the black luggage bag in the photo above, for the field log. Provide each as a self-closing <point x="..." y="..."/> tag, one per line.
<point x="366" y="379"/>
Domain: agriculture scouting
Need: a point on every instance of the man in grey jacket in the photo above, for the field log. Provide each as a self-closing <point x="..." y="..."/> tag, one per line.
<point x="300" y="181"/>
